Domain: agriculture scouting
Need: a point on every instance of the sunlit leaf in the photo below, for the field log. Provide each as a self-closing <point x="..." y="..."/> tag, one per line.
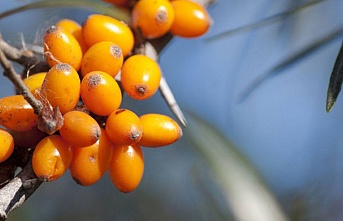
<point x="244" y="190"/>
<point x="290" y="61"/>
<point x="266" y="21"/>
<point x="77" y="4"/>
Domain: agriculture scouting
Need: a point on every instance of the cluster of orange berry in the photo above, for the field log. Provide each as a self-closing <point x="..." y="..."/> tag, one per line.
<point x="93" y="134"/>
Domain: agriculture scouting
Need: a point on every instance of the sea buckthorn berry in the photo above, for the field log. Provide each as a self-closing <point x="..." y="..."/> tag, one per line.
<point x="35" y="81"/>
<point x="17" y="114"/>
<point x="168" y="130"/>
<point x="61" y="87"/>
<point x="100" y="93"/>
<point x="123" y="127"/>
<point x="90" y="163"/>
<point x="126" y="167"/>
<point x="51" y="158"/>
<point x="6" y="144"/>
<point x="60" y="46"/>
<point x="27" y="139"/>
<point x="99" y="28"/>
<point x="153" y="17"/>
<point x="191" y="19"/>
<point x="75" y="29"/>
<point x="80" y="129"/>
<point x="140" y="77"/>
<point x="103" y="56"/>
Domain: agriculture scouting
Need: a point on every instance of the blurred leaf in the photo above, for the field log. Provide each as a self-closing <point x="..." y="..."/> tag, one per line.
<point x="246" y="193"/>
<point x="290" y="61"/>
<point x="336" y="80"/>
<point x="90" y="5"/>
<point x="266" y="21"/>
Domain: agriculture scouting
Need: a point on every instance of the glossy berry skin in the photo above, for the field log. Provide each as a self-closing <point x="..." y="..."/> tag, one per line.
<point x="153" y="17"/>
<point x="75" y="29"/>
<point x="103" y="56"/>
<point x="51" y="158"/>
<point x="90" y="163"/>
<point x="120" y="3"/>
<point x="80" y="129"/>
<point x="60" y="46"/>
<point x="6" y="144"/>
<point x="126" y="167"/>
<point x="99" y="28"/>
<point x="168" y="130"/>
<point x="140" y="77"/>
<point x="123" y="127"/>
<point x="191" y="19"/>
<point x="34" y="82"/>
<point x="61" y="87"/>
<point x="100" y="93"/>
<point x="27" y="139"/>
<point x="17" y="114"/>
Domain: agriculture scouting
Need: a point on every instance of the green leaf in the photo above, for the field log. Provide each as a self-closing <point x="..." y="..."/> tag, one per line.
<point x="266" y="21"/>
<point x="243" y="188"/>
<point x="290" y="61"/>
<point x="79" y="4"/>
<point x="336" y="80"/>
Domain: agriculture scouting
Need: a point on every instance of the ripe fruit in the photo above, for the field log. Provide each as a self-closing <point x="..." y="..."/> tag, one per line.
<point x="168" y="130"/>
<point x="6" y="144"/>
<point x="100" y="93"/>
<point x="51" y="158"/>
<point x="122" y="3"/>
<point x="61" y="47"/>
<point x="17" y="114"/>
<point x="90" y="163"/>
<point x="191" y="19"/>
<point x="35" y="81"/>
<point x="127" y="167"/>
<point x="123" y="127"/>
<point x="75" y="29"/>
<point x="153" y="17"/>
<point x="80" y="129"/>
<point x="103" y="56"/>
<point x="61" y="87"/>
<point x="140" y="77"/>
<point x="99" y="28"/>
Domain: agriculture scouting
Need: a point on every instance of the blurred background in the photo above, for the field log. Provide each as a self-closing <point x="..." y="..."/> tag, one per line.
<point x="259" y="144"/>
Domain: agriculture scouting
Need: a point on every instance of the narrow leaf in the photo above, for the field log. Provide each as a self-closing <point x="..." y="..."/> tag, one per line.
<point x="266" y="21"/>
<point x="290" y="61"/>
<point x="336" y="80"/>
<point x="243" y="188"/>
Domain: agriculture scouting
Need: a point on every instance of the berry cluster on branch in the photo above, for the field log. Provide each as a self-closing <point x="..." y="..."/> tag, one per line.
<point x="66" y="113"/>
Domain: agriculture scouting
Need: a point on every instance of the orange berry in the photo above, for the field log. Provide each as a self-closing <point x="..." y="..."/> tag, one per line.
<point x="191" y="19"/>
<point x="6" y="144"/>
<point x="99" y="28"/>
<point x="35" y="81"/>
<point x="27" y="139"/>
<point x="168" y="130"/>
<point x="61" y="87"/>
<point x="60" y="46"/>
<point x="17" y="114"/>
<point x="127" y="167"/>
<point x="80" y="129"/>
<point x="140" y="77"/>
<point x="100" y="93"/>
<point x="153" y="17"/>
<point x="103" y="56"/>
<point x="51" y="158"/>
<point x="90" y="163"/>
<point x="123" y="127"/>
<point x="75" y="29"/>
